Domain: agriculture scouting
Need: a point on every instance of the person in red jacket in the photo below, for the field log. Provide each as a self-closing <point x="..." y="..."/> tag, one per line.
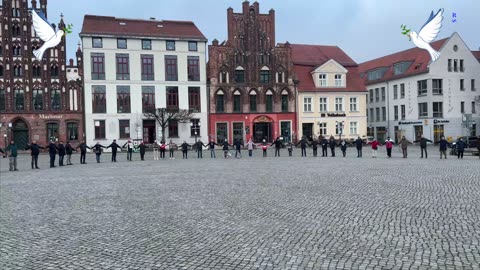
<point x="375" y="145"/>
<point x="389" y="146"/>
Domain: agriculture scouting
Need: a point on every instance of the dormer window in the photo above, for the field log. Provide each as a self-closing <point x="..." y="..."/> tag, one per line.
<point x="338" y="80"/>
<point x="323" y="80"/>
<point x="400" y="68"/>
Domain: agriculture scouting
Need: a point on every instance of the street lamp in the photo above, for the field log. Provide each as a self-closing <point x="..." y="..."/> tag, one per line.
<point x="195" y="126"/>
<point x="340" y="128"/>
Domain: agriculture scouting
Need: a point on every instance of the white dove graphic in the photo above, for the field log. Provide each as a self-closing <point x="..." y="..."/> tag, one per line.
<point x="46" y="33"/>
<point x="428" y="33"/>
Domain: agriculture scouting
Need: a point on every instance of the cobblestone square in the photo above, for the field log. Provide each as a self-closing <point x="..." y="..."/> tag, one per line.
<point x="249" y="213"/>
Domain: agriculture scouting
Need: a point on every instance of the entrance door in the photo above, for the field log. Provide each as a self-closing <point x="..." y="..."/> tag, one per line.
<point x="222" y="132"/>
<point x="438" y="132"/>
<point x="20" y="134"/>
<point x="418" y="132"/>
<point x="262" y="131"/>
<point x="285" y="131"/>
<point x="149" y="131"/>
<point x="307" y="130"/>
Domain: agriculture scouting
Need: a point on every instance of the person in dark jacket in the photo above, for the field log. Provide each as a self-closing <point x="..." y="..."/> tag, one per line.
<point x="199" y="147"/>
<point x="423" y="145"/>
<point x="225" y="148"/>
<point x="303" y="146"/>
<point x="52" y="151"/>
<point x="130" y="147"/>
<point x="83" y="152"/>
<point x="114" y="147"/>
<point x="211" y="146"/>
<point x="359" y="145"/>
<point x="142" y="148"/>
<point x="184" y="146"/>
<point x="97" y="149"/>
<point x="343" y="147"/>
<point x="238" y="148"/>
<point x="12" y="157"/>
<point x="332" y="144"/>
<point x="324" y="143"/>
<point x="1" y="151"/>
<point x="69" y="150"/>
<point x="443" y="147"/>
<point x="61" y="153"/>
<point x="34" y="151"/>
<point x="163" y="148"/>
<point x="314" y="145"/>
<point x="278" y="144"/>
<point x="460" y="145"/>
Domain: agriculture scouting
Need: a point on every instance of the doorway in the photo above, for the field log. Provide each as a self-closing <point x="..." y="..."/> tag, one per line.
<point x="20" y="134"/>
<point x="262" y="131"/>
<point x="418" y="132"/>
<point x="149" y="131"/>
<point x="307" y="130"/>
<point x="438" y="132"/>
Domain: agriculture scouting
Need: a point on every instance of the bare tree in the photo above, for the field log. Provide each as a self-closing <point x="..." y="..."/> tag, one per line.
<point x="164" y="116"/>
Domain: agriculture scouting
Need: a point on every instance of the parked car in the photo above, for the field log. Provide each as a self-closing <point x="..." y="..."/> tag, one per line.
<point x="471" y="141"/>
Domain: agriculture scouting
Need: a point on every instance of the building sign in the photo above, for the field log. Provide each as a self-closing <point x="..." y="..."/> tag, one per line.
<point x="436" y="121"/>
<point x="336" y="114"/>
<point x="50" y="116"/>
<point x="409" y="122"/>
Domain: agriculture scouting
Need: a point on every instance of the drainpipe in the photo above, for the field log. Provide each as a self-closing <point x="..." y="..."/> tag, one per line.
<point x="295" y="83"/>
<point x="388" y="108"/>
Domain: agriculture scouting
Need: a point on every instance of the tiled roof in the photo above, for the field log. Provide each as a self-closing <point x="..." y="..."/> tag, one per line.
<point x="103" y="25"/>
<point x="477" y="55"/>
<point x="420" y="59"/>
<point x="306" y="58"/>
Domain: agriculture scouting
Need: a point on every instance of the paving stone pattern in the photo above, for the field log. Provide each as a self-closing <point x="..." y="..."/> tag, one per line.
<point x="249" y="213"/>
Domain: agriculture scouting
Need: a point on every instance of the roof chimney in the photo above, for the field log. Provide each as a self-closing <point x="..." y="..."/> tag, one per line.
<point x="70" y="62"/>
<point x="152" y="18"/>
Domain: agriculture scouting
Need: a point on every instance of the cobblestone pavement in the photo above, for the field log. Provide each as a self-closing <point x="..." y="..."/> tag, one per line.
<point x="250" y="213"/>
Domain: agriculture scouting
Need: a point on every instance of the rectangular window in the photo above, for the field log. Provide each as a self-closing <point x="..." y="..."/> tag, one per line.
<point x="462" y="107"/>
<point x="280" y="77"/>
<point x="455" y="65"/>
<point x="323" y="129"/>
<point x="395" y="112"/>
<point x="372" y="115"/>
<point x="473" y="107"/>
<point x="323" y="80"/>
<point x="307" y="104"/>
<point x="148" y="99"/>
<point x="338" y="80"/>
<point x="193" y="68"/>
<point x="224" y="77"/>
<point x="222" y="132"/>
<point x="170" y="45"/>
<point x="237" y="103"/>
<point x="269" y="103"/>
<point x="123" y="99"/>
<point x="37" y="99"/>
<point x="462" y="69"/>
<point x="384" y="114"/>
<point x="353" y="104"/>
<point x="462" y="85"/>
<point x="284" y="103"/>
<point x="449" y="65"/>
<point x="121" y="43"/>
<point x="123" y="69"/>
<point x="438" y="109"/>
<point x="323" y="104"/>
<point x="395" y="92"/>
<point x="403" y="112"/>
<point x="377" y="94"/>
<point x="147" y="68"/>
<point x="422" y="87"/>
<point x="220" y="103"/>
<point x="423" y="110"/>
<point x="339" y="104"/>
<point x="146" y="44"/>
<point x="52" y="131"/>
<point x="124" y="126"/>
<point x="98" y="66"/>
<point x="194" y="99"/>
<point x="171" y="73"/>
<point x="172" y="97"/>
<point x="353" y="128"/>
<point x="195" y="127"/>
<point x="370" y="94"/>
<point x="472" y="83"/>
<point x="253" y="103"/>
<point x="99" y="99"/>
<point x="192" y="46"/>
<point x="97" y="42"/>
<point x="402" y="90"/>
<point x="55" y="100"/>
<point x="239" y="76"/>
<point x="19" y="100"/>
<point x="72" y="131"/>
<point x="99" y="129"/>
<point x="264" y="76"/>
<point x="377" y="114"/>
<point x="173" y="129"/>
<point x="437" y="87"/>
<point x="383" y="93"/>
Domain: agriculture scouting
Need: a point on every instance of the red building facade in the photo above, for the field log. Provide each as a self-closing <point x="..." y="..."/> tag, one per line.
<point x="36" y="100"/>
<point x="251" y="85"/>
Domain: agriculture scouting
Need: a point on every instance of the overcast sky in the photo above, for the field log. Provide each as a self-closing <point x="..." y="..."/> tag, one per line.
<point x="364" y="29"/>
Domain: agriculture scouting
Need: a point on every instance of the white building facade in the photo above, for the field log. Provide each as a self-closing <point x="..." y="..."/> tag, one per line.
<point x="411" y="96"/>
<point x="135" y="66"/>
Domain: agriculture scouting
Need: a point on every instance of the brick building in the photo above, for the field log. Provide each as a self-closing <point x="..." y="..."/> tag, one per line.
<point x="251" y="85"/>
<point x="36" y="100"/>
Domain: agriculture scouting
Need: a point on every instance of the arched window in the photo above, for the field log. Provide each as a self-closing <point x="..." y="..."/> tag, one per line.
<point x="220" y="101"/>
<point x="54" y="71"/>
<point x="284" y="100"/>
<point x="1" y="70"/>
<point x="55" y="100"/>
<point x="253" y="101"/>
<point x="265" y="75"/>
<point x="223" y="76"/>
<point x="1" y="49"/>
<point x="37" y="99"/>
<point x="281" y="75"/>
<point x="17" y="71"/>
<point x="239" y="74"/>
<point x="269" y="101"/>
<point x="36" y="71"/>
<point x="19" y="95"/>
<point x="16" y="31"/>
<point x="17" y="50"/>
<point x="237" y="101"/>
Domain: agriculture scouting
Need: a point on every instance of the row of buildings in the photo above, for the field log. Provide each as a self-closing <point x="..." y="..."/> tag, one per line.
<point x="250" y="87"/>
